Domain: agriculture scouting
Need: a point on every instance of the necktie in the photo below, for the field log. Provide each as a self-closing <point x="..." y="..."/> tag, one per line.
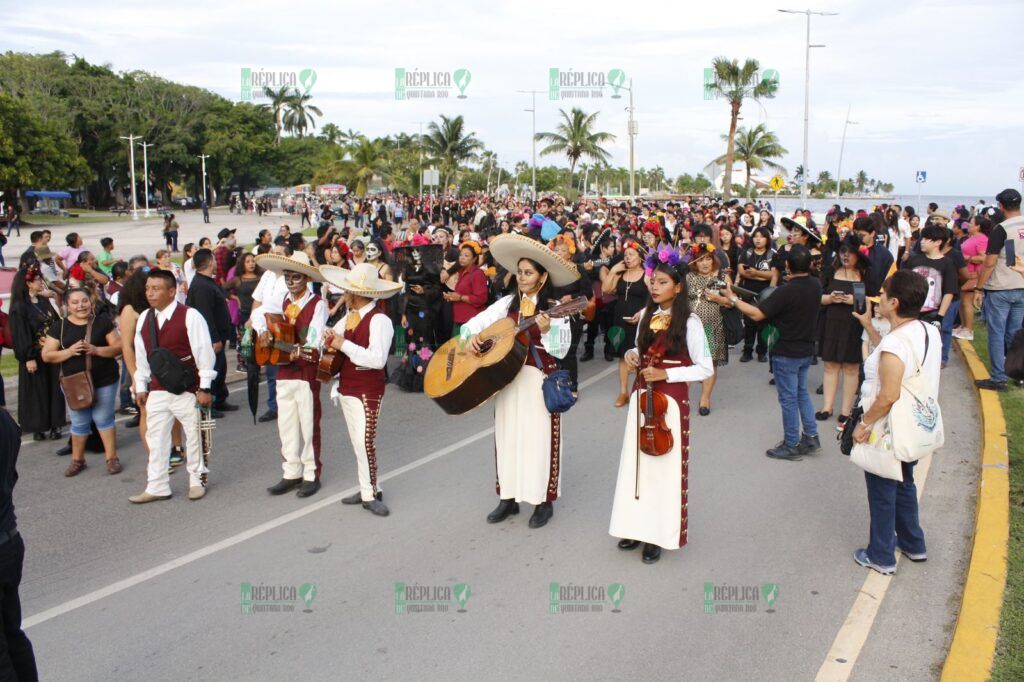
<point x="292" y="312"/>
<point x="527" y="307"/>
<point x="660" y="323"/>
<point x="352" y="320"/>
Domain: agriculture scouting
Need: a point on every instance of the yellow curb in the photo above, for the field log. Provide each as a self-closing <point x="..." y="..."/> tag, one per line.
<point x="974" y="641"/>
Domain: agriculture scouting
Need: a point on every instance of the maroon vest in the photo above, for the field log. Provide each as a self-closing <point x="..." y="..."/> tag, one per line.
<point x="679" y="391"/>
<point x="174" y="337"/>
<point x="533" y="336"/>
<point x="300" y="369"/>
<point x="361" y="381"/>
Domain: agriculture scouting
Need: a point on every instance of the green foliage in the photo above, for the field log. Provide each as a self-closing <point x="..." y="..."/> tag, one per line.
<point x="449" y="145"/>
<point x="576" y="138"/>
<point x="34" y="154"/>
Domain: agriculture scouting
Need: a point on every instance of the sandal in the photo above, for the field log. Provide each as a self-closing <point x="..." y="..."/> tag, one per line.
<point x="622" y="399"/>
<point x="114" y="466"/>
<point x="75" y="468"/>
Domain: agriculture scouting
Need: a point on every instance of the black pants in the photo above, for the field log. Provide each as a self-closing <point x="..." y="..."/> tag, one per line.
<point x="570" y="362"/>
<point x="602" y="322"/>
<point x="750" y="333"/>
<point x="219" y="387"/>
<point x="17" y="661"/>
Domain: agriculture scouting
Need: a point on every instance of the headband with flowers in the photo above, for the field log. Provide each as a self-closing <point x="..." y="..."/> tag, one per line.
<point x="564" y="238"/>
<point x="666" y="255"/>
<point x="700" y="250"/>
<point x="630" y="243"/>
<point x="472" y="246"/>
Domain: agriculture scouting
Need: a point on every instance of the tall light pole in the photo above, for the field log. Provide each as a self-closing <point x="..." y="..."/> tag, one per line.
<point x="145" y="171"/>
<point x="632" y="128"/>
<point x="131" y="157"/>
<point x="533" y="140"/>
<point x="420" y="145"/>
<point x="807" y="90"/>
<point x="842" y="145"/>
<point x="204" y="157"/>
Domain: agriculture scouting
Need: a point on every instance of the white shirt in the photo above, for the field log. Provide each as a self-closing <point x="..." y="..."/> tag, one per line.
<point x="556" y="342"/>
<point x="198" y="339"/>
<point x="908" y="344"/>
<point x="317" y="324"/>
<point x="374" y="356"/>
<point x="190" y="272"/>
<point x="696" y="345"/>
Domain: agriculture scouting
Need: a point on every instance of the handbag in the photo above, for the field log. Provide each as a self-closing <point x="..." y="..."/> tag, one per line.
<point x="732" y="320"/>
<point x="915" y="420"/>
<point x="557" y="387"/>
<point x="77" y="387"/>
<point x="845" y="437"/>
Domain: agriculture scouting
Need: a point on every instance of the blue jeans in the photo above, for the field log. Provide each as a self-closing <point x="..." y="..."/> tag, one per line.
<point x="795" y="401"/>
<point x="125" y="386"/>
<point x="894" y="516"/>
<point x="1004" y="315"/>
<point x="101" y="412"/>
<point x="272" y="388"/>
<point x="946" y="330"/>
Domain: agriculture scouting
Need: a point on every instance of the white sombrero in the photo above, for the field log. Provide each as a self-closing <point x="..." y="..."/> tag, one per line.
<point x="297" y="262"/>
<point x="361" y="280"/>
<point x="509" y="249"/>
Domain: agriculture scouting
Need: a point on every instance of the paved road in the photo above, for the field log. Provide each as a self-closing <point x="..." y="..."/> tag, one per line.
<point x="171" y="574"/>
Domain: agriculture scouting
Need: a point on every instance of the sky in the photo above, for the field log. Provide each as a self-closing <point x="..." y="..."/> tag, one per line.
<point x="931" y="85"/>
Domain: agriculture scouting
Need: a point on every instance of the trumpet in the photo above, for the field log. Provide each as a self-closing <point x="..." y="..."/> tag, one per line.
<point x="206" y="424"/>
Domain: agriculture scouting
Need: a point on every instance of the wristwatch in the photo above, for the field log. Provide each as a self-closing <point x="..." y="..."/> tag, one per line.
<point x="734" y="300"/>
<point x="205" y="390"/>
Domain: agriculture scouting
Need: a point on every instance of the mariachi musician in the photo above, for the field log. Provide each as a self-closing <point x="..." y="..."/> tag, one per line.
<point x="527" y="438"/>
<point x="363" y="337"/>
<point x="298" y="388"/>
<point x="650" y="503"/>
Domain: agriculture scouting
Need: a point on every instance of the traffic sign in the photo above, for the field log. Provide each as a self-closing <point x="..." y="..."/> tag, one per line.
<point x="922" y="176"/>
<point x="777" y="183"/>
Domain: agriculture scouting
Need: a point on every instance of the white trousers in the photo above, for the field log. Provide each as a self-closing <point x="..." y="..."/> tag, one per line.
<point x="162" y="408"/>
<point x="361" y="419"/>
<point x="295" y="426"/>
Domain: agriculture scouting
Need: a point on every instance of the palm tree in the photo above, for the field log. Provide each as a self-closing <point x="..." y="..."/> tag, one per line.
<point x="487" y="160"/>
<point x="368" y="160"/>
<point x="331" y="133"/>
<point x="862" y="180"/>
<point x="278" y="105"/>
<point x="349" y="137"/>
<point x="756" y="148"/>
<point x="575" y="137"/>
<point x="658" y="177"/>
<point x="735" y="83"/>
<point x="798" y="173"/>
<point x="449" y="145"/>
<point x="300" y="113"/>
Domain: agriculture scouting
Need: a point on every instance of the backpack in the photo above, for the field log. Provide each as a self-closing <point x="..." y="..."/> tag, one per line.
<point x="174" y="375"/>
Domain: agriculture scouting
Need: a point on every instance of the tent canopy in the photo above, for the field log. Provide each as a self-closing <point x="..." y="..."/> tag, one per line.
<point x="40" y="194"/>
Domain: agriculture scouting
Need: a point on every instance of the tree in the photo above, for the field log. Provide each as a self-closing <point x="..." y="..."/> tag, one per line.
<point x="735" y="83"/>
<point x="487" y="160"/>
<point x="861" y="181"/>
<point x="330" y="133"/>
<point x="278" y="104"/>
<point x="756" y="148"/>
<point x="449" y="145"/>
<point x="576" y="138"/>
<point x="798" y="173"/>
<point x="300" y="113"/>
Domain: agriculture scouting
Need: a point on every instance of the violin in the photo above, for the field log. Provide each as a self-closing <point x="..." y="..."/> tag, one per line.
<point x="653" y="433"/>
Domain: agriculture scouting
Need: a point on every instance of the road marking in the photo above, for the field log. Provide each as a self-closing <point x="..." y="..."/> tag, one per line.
<point x="131" y="581"/>
<point x="850" y="639"/>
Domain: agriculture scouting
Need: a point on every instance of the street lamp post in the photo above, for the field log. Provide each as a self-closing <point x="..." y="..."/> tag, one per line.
<point x="842" y="145"/>
<point x="145" y="171"/>
<point x="204" y="157"/>
<point x="533" y="140"/>
<point x="807" y="89"/>
<point x="419" y="141"/>
<point x="131" y="161"/>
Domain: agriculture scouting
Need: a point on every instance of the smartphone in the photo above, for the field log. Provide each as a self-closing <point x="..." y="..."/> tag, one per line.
<point x="860" y="303"/>
<point x="1011" y="256"/>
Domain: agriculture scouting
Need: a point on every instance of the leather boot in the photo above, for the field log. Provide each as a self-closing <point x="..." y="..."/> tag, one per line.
<point x="504" y="509"/>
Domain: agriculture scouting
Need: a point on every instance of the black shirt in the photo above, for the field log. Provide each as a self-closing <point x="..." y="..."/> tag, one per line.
<point x="205" y="296"/>
<point x="762" y="263"/>
<point x="10" y="443"/>
<point x="793" y="310"/>
<point x="104" y="370"/>
<point x="941" y="275"/>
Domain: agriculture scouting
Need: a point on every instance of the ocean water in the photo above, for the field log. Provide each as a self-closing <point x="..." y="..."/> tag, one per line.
<point x="786" y="205"/>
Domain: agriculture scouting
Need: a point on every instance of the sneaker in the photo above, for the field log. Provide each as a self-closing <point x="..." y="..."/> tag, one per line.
<point x="809" y="445"/>
<point x="861" y="557"/>
<point x="783" y="451"/>
<point x="177" y="457"/>
<point x="917" y="558"/>
<point x="129" y="410"/>
<point x="964" y="333"/>
<point x="990" y="384"/>
<point x="747" y="356"/>
<point x="762" y="357"/>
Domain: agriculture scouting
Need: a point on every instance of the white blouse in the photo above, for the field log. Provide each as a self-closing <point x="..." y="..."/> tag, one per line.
<point x="696" y="345"/>
<point x="556" y="342"/>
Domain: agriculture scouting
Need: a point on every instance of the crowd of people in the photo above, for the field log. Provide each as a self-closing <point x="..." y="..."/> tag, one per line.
<point x="673" y="290"/>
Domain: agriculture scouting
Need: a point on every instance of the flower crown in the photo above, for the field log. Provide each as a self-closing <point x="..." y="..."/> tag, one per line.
<point x="666" y="255"/>
<point x="472" y="246"/>
<point x="566" y="239"/>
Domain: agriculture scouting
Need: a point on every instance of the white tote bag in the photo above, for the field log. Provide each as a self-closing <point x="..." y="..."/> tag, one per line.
<point x="915" y="421"/>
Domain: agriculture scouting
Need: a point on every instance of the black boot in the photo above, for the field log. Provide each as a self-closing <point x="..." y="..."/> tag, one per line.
<point x="609" y="355"/>
<point x="308" y="488"/>
<point x="284" y="485"/>
<point x="627" y="544"/>
<point x="504" y="509"/>
<point x="651" y="553"/>
<point x="747" y="355"/>
<point x="542" y="513"/>
<point x="588" y="354"/>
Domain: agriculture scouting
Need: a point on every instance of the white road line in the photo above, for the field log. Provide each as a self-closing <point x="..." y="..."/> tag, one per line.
<point x="131" y="581"/>
<point x="850" y="640"/>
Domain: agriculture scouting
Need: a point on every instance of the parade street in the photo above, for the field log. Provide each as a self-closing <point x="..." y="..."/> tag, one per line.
<point x="243" y="585"/>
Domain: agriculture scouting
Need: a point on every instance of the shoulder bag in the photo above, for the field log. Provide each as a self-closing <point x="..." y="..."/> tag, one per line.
<point x="77" y="387"/>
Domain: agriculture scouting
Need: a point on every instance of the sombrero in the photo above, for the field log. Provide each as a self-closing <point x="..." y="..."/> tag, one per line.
<point x="362" y="280"/>
<point x="297" y="262"/>
<point x="800" y="223"/>
<point x="509" y="249"/>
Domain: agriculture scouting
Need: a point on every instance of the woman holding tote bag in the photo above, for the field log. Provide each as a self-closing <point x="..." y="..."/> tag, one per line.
<point x="901" y="422"/>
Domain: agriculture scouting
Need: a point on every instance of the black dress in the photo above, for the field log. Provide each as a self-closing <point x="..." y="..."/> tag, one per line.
<point x="631" y="298"/>
<point x="841" y="336"/>
<point x="421" y="315"/>
<point x="40" y="401"/>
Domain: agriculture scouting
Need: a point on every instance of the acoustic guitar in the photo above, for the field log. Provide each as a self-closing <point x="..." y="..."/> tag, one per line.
<point x="282" y="342"/>
<point x="329" y="365"/>
<point x="458" y="379"/>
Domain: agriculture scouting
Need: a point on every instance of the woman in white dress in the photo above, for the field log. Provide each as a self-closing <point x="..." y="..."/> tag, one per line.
<point x="527" y="438"/>
<point x="650" y="503"/>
